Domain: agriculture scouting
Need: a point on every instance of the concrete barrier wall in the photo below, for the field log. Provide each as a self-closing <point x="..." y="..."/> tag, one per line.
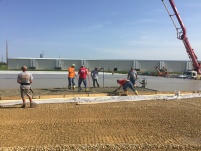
<point x="109" y="65"/>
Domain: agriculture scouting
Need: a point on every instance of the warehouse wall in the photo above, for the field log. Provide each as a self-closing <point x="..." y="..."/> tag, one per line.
<point x="109" y="65"/>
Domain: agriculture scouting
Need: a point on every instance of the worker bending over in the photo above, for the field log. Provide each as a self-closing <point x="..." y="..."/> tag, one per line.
<point x="125" y="84"/>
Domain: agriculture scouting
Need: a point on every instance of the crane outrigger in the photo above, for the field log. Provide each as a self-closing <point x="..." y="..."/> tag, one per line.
<point x="181" y="35"/>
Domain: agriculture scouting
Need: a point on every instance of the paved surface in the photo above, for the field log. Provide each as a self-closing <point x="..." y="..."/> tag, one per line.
<point x="59" y="80"/>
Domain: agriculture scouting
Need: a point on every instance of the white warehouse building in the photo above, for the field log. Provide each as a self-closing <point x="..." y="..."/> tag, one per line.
<point x="109" y="65"/>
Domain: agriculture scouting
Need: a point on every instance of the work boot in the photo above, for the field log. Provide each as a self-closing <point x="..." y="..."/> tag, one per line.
<point x="136" y="92"/>
<point x="23" y="106"/>
<point x="126" y="92"/>
<point x="32" y="105"/>
<point x="79" y="89"/>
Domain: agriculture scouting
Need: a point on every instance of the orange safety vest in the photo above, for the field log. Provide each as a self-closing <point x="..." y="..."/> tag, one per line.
<point x="71" y="72"/>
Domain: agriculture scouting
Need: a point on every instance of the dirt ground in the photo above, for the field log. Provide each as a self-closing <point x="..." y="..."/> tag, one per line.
<point x="142" y="125"/>
<point x="10" y="94"/>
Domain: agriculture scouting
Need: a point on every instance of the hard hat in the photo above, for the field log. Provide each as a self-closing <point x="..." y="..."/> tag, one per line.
<point x="73" y="65"/>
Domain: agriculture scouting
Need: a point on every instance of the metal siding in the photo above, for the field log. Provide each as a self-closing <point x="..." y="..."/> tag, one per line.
<point x="65" y="64"/>
<point x="109" y="65"/>
<point x="175" y="66"/>
<point x="46" y="64"/>
<point x="149" y="66"/>
<point x="18" y="63"/>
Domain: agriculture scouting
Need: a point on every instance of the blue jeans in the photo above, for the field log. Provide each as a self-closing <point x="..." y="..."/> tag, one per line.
<point x="128" y="84"/>
<point x="95" y="81"/>
<point x="132" y="79"/>
<point x="71" y="82"/>
<point x="80" y="82"/>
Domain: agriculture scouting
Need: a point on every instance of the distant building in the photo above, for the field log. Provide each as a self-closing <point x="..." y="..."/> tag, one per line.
<point x="109" y="65"/>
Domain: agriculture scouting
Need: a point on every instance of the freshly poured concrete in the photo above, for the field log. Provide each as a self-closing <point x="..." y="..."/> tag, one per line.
<point x="57" y="79"/>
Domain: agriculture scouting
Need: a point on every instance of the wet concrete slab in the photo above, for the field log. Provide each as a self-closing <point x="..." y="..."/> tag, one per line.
<point x="58" y="79"/>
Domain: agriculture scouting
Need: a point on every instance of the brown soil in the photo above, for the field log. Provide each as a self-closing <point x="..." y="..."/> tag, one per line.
<point x="6" y="94"/>
<point x="143" y="125"/>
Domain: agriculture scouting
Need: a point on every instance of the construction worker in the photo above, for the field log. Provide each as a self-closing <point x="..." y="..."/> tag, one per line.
<point x="71" y="77"/>
<point x="125" y="84"/>
<point x="132" y="76"/>
<point x="94" y="75"/>
<point x="83" y="72"/>
<point x="25" y="79"/>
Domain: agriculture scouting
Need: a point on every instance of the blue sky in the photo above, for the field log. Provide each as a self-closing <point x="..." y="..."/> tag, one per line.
<point x="97" y="29"/>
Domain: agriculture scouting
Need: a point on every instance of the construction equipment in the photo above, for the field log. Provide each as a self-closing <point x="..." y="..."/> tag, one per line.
<point x="159" y="72"/>
<point x="143" y="82"/>
<point x="188" y="75"/>
<point x="162" y="72"/>
<point x="181" y="35"/>
<point x="165" y="70"/>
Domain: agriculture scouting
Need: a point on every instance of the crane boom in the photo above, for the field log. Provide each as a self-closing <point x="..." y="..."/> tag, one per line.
<point x="181" y="35"/>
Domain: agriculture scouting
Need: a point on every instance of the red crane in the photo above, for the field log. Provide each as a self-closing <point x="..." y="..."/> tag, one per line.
<point x="181" y="35"/>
